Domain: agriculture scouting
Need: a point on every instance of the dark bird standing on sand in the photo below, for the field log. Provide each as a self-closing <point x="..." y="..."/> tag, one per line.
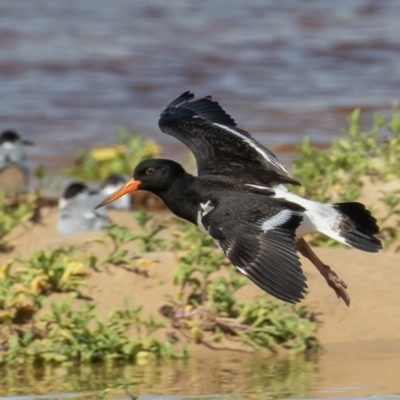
<point x="239" y="199"/>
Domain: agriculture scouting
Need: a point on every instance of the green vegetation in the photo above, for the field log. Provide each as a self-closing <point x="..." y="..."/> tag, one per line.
<point x="146" y="240"/>
<point x="208" y="311"/>
<point x="353" y="164"/>
<point x="121" y="158"/>
<point x="23" y="286"/>
<point x="53" y="271"/>
<point x="68" y="334"/>
<point x="72" y="330"/>
<point x="12" y="216"/>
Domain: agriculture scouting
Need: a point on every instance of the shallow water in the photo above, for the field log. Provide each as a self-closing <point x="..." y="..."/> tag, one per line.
<point x="72" y="71"/>
<point x="219" y="376"/>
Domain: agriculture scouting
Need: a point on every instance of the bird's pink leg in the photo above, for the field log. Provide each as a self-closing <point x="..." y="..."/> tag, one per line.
<point x="333" y="280"/>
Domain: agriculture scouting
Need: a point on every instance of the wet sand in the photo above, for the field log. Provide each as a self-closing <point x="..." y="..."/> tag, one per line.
<point x="365" y="368"/>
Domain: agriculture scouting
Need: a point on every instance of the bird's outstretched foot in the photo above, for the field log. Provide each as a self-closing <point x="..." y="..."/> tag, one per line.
<point x="331" y="277"/>
<point x="337" y="284"/>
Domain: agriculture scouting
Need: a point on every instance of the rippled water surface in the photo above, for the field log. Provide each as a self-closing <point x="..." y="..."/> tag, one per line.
<point x="219" y="376"/>
<point x="72" y="71"/>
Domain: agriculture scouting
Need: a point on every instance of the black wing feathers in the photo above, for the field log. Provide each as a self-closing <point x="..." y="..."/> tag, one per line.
<point x="266" y="257"/>
<point x="182" y="99"/>
<point x="359" y="227"/>
<point x="218" y="145"/>
<point x="204" y="108"/>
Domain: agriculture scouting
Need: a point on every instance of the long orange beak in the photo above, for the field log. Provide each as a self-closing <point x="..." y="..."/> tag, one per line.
<point x="129" y="187"/>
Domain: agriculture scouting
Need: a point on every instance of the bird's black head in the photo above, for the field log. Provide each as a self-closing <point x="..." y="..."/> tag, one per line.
<point x="73" y="189"/>
<point x="155" y="175"/>
<point x="9" y="136"/>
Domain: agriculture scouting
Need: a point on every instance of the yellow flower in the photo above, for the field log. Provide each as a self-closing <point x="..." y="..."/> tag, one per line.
<point x="5" y="270"/>
<point x="152" y="147"/>
<point x="105" y="153"/>
<point x="72" y="268"/>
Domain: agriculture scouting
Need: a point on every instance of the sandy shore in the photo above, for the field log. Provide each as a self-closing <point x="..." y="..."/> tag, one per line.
<point x="371" y="319"/>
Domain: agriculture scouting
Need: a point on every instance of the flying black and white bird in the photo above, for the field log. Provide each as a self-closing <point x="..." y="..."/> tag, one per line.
<point x="239" y="198"/>
<point x="76" y="211"/>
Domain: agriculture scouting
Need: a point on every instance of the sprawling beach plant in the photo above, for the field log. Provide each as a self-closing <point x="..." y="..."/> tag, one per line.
<point x="72" y="329"/>
<point x="12" y="216"/>
<point x="338" y="172"/>
<point x="68" y="333"/>
<point x="24" y="282"/>
<point x="145" y="239"/>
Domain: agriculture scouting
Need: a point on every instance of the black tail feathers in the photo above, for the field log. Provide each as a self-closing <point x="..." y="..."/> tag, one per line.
<point x="359" y="227"/>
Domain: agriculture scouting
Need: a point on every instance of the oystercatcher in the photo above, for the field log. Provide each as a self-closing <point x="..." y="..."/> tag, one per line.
<point x="75" y="210"/>
<point x="239" y="199"/>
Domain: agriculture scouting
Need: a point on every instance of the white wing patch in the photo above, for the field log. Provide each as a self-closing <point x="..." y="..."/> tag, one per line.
<point x="279" y="187"/>
<point x="318" y="217"/>
<point x="277" y="220"/>
<point x="204" y="209"/>
<point x="219" y="246"/>
<point x="242" y="270"/>
<point x="261" y="151"/>
<point x="258" y="186"/>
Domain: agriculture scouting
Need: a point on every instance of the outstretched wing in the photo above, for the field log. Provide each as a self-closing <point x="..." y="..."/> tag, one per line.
<point x="218" y="145"/>
<point x="263" y="248"/>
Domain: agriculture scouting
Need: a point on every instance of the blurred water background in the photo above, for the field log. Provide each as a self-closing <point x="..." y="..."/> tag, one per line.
<point x="72" y="72"/>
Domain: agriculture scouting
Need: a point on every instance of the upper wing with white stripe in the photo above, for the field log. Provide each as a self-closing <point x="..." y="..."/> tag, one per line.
<point x="218" y="145"/>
